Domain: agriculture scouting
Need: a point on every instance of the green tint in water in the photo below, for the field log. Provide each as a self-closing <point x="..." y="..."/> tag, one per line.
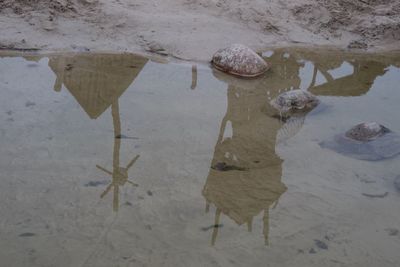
<point x="110" y="160"/>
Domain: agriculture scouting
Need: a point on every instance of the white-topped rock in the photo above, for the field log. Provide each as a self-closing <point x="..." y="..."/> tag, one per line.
<point x="239" y="60"/>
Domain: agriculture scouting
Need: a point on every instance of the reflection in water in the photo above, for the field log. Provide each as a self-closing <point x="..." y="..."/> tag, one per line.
<point x="245" y="175"/>
<point x="97" y="82"/>
<point x="193" y="142"/>
<point x="246" y="143"/>
<point x="255" y="184"/>
<point x="364" y="72"/>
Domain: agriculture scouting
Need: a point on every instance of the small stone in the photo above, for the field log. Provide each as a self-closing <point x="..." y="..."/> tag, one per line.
<point x="96" y="183"/>
<point x="392" y="231"/>
<point x="320" y="244"/>
<point x="239" y="60"/>
<point x="27" y="234"/>
<point x="206" y="228"/>
<point x="397" y="183"/>
<point x="29" y="104"/>
<point x="155" y="47"/>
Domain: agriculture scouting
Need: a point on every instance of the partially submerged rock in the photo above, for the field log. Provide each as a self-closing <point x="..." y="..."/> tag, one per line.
<point x="366" y="141"/>
<point x="366" y="131"/>
<point x="239" y="60"/>
<point x="294" y="101"/>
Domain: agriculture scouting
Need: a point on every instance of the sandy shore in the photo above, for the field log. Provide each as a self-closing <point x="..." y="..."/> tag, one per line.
<point x="193" y="30"/>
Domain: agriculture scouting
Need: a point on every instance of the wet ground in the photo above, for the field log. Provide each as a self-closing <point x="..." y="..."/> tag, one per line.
<point x="118" y="160"/>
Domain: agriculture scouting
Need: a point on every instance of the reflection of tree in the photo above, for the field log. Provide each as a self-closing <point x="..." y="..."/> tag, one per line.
<point x="97" y="82"/>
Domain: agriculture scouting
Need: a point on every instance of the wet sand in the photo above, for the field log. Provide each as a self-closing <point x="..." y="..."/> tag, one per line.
<point x="118" y="160"/>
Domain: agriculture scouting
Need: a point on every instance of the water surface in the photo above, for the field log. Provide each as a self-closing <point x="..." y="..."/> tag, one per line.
<point x="118" y="160"/>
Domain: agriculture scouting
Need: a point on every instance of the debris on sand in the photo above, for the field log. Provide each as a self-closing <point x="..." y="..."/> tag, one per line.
<point x="223" y="167"/>
<point x="397" y="183"/>
<point x="376" y="195"/>
<point x="320" y="244"/>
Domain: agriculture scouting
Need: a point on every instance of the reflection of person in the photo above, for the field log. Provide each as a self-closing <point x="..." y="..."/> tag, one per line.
<point x="286" y="71"/>
<point x="245" y="175"/>
<point x="358" y="83"/>
<point x="96" y="82"/>
<point x="365" y="71"/>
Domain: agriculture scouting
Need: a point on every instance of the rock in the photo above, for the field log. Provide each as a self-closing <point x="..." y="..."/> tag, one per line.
<point x="239" y="60"/>
<point x="156" y="48"/>
<point x="366" y="131"/>
<point x="366" y="141"/>
<point x="294" y="100"/>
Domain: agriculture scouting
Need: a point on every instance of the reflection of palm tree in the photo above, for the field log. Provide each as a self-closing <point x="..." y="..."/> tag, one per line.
<point x="97" y="82"/>
<point x="119" y="174"/>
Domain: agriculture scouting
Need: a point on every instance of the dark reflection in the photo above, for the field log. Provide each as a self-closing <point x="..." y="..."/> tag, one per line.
<point x="245" y="174"/>
<point x="96" y="82"/>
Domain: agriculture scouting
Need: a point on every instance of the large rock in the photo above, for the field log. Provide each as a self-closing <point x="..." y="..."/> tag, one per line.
<point x="239" y="60"/>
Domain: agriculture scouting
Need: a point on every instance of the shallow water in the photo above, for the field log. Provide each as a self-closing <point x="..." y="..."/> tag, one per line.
<point x="117" y="160"/>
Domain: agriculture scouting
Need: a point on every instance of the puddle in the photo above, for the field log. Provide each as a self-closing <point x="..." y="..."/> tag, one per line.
<point x="117" y="160"/>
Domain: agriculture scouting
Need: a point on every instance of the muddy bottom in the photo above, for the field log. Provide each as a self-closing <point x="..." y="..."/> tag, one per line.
<point x="118" y="160"/>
